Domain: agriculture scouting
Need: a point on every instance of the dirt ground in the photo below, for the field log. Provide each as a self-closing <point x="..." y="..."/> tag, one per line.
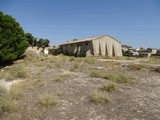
<point x="138" y="100"/>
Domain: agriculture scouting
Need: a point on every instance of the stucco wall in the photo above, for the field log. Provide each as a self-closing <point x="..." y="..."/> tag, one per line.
<point x="77" y="47"/>
<point x="107" y="46"/>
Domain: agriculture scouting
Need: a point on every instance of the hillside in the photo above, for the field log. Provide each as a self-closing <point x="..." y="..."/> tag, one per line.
<point x="93" y="88"/>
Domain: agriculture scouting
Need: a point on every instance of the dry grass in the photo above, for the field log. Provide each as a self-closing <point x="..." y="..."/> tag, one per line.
<point x="96" y="75"/>
<point x="89" y="60"/>
<point x="136" y="66"/>
<point x="57" y="65"/>
<point x="16" y="72"/>
<point x="7" y="104"/>
<point x="119" y="58"/>
<point x="109" y="87"/>
<point x="157" y="69"/>
<point x="61" y="77"/>
<point x="74" y="67"/>
<point x="58" y="93"/>
<point x="116" y="77"/>
<point x="37" y="83"/>
<point x="16" y="91"/>
<point x="48" y="99"/>
<point x="100" y="97"/>
<point x="72" y="59"/>
<point x="150" y="60"/>
<point x="58" y="78"/>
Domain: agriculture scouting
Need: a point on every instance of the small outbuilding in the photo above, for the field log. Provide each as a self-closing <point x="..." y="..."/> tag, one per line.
<point x="100" y="45"/>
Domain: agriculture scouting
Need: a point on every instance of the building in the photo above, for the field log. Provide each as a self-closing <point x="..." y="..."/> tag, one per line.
<point x="154" y="51"/>
<point x="126" y="47"/>
<point x="100" y="45"/>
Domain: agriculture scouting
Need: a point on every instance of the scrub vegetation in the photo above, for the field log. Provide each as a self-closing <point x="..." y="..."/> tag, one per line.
<point x="62" y="87"/>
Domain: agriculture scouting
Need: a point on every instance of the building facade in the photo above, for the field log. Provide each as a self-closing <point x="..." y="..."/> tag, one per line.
<point x="100" y="45"/>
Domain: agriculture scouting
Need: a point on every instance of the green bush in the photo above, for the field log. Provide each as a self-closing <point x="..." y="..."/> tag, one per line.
<point x="12" y="38"/>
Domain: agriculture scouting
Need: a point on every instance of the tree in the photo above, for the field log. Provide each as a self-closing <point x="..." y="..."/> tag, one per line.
<point x="12" y="38"/>
<point x="31" y="40"/>
<point x="43" y="43"/>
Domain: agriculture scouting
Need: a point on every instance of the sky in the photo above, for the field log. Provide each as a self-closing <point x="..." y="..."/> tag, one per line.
<point x="132" y="22"/>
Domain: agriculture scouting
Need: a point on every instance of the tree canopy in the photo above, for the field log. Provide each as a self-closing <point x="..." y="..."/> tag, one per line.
<point x="31" y="39"/>
<point x="43" y="43"/>
<point x="12" y="38"/>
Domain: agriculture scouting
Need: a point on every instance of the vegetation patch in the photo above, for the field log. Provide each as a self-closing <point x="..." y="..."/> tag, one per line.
<point x="136" y="66"/>
<point x="16" y="91"/>
<point x="108" y="87"/>
<point x="74" y="67"/>
<point x="100" y="97"/>
<point x="72" y="59"/>
<point x="7" y="104"/>
<point x="89" y="60"/>
<point x="157" y="69"/>
<point x="58" y="78"/>
<point x="116" y="77"/>
<point x="48" y="99"/>
<point x="96" y="75"/>
<point x="16" y="72"/>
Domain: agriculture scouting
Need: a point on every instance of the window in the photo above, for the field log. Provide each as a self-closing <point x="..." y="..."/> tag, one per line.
<point x="65" y="45"/>
<point x="86" y="43"/>
<point x="71" y="44"/>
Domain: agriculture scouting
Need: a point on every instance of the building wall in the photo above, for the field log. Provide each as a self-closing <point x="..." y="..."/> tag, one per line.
<point x="107" y="46"/>
<point x="77" y="47"/>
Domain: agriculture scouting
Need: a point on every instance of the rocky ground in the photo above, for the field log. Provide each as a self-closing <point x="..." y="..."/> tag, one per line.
<point x="70" y="80"/>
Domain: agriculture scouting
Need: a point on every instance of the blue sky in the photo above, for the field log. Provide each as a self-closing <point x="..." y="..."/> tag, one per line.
<point x="132" y="22"/>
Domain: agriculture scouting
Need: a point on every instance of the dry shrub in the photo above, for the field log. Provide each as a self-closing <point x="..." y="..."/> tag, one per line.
<point x="136" y="66"/>
<point x="16" y="72"/>
<point x="96" y="75"/>
<point x="157" y="69"/>
<point x="116" y="77"/>
<point x="7" y="104"/>
<point x="72" y="59"/>
<point x="108" y="87"/>
<point x="74" y="67"/>
<point x="16" y="91"/>
<point x="48" y="99"/>
<point x="60" y="77"/>
<point x="89" y="60"/>
<point x="100" y="97"/>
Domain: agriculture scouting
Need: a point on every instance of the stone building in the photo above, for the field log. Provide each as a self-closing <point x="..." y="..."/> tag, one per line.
<point x="100" y="45"/>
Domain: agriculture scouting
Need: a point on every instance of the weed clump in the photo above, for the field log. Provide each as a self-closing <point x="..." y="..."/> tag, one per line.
<point x="72" y="59"/>
<point x="74" y="67"/>
<point x="136" y="66"/>
<point x="100" y="97"/>
<point x="16" y="72"/>
<point x="115" y="77"/>
<point x="48" y="99"/>
<point x="7" y="104"/>
<point x="157" y="69"/>
<point x="89" y="60"/>
<point x="58" y="78"/>
<point x="109" y="87"/>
